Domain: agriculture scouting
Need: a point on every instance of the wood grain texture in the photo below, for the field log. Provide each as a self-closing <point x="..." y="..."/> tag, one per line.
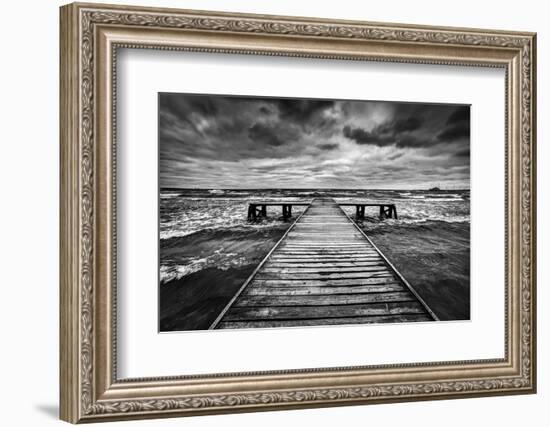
<point x="320" y="275"/>
<point x="325" y="322"/>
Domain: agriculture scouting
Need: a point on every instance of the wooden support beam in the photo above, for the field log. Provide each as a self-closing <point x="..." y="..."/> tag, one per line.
<point x="287" y="210"/>
<point x="252" y="212"/>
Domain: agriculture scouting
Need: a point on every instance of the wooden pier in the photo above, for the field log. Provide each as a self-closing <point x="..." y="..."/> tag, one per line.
<point x="386" y="210"/>
<point x="258" y="210"/>
<point x="323" y="271"/>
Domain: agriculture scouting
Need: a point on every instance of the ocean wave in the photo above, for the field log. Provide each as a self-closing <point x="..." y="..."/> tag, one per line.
<point x="184" y="231"/>
<point x="183" y="217"/>
<point x="171" y="270"/>
<point x="191" y="213"/>
<point x="169" y="195"/>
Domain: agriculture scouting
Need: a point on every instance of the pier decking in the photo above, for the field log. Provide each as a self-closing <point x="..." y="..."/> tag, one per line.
<point x="323" y="271"/>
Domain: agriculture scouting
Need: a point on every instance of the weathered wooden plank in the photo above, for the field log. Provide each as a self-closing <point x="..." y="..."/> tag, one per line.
<point x="321" y="240"/>
<point x="324" y="299"/>
<point x="324" y="290"/>
<point x="322" y="312"/>
<point x="317" y="276"/>
<point x="320" y="251"/>
<point x="329" y="249"/>
<point x="359" y="243"/>
<point x="319" y="233"/>
<point x="328" y="254"/>
<point x="329" y="227"/>
<point x="325" y="270"/>
<point x="325" y="231"/>
<point x="330" y="245"/>
<point x="324" y="258"/>
<point x="324" y="264"/>
<point x="400" y="318"/>
<point x="327" y="282"/>
<point x="336" y="240"/>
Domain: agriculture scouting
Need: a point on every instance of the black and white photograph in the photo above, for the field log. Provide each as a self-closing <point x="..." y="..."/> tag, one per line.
<point x="292" y="212"/>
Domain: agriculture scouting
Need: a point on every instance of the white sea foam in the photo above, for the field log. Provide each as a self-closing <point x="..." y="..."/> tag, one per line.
<point x="219" y="259"/>
<point x="185" y="213"/>
<point x="184" y="216"/>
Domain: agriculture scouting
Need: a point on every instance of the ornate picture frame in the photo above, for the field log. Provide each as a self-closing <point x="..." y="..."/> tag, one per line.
<point x="90" y="37"/>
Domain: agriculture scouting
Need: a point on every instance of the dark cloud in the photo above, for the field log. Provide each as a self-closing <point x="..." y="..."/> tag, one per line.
<point x="214" y="140"/>
<point x="403" y="129"/>
<point x="454" y="132"/>
<point x="399" y="126"/>
<point x="457" y="126"/>
<point x="395" y="156"/>
<point x="465" y="152"/>
<point x="361" y="136"/>
<point x="383" y="136"/>
<point x="271" y="134"/>
<point x="328" y="146"/>
<point x="416" y="127"/>
<point x="301" y="109"/>
<point x="461" y="114"/>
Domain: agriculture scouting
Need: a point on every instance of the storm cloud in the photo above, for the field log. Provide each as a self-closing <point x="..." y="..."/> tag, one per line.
<point x="215" y="141"/>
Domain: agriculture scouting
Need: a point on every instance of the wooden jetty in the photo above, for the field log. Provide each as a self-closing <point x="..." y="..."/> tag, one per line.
<point x="259" y="209"/>
<point x="386" y="210"/>
<point x="323" y="271"/>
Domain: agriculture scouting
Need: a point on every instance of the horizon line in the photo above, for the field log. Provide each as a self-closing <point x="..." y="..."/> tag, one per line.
<point x="309" y="188"/>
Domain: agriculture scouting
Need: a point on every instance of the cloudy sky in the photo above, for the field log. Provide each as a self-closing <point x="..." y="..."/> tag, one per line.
<point x="212" y="141"/>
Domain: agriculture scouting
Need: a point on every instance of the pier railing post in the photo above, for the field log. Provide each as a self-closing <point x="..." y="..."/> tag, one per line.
<point x="251" y="212"/>
<point x="287" y="210"/>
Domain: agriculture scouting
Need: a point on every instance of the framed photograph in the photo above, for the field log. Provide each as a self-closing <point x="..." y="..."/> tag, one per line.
<point x="266" y="212"/>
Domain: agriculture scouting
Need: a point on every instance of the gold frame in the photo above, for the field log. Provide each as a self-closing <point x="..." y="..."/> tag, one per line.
<point x="90" y="35"/>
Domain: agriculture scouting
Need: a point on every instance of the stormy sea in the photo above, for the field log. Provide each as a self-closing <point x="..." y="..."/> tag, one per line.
<point x="208" y="248"/>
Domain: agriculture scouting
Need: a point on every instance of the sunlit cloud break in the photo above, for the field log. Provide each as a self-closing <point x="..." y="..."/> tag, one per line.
<point x="220" y="141"/>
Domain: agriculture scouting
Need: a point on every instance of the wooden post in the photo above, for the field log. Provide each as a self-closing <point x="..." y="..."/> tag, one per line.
<point x="381" y="214"/>
<point x="264" y="211"/>
<point x="251" y="212"/>
<point x="287" y="210"/>
<point x="360" y="212"/>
